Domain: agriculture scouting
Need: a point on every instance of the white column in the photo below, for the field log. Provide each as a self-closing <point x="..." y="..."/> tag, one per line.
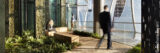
<point x="133" y="15"/>
<point x="102" y="3"/>
<point x="112" y="9"/>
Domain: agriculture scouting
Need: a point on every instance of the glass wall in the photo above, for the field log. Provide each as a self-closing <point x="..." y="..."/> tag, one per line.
<point x="85" y="15"/>
<point x="81" y="10"/>
<point x="126" y="17"/>
<point x="71" y="11"/>
<point x="123" y="20"/>
<point x="28" y="14"/>
<point x="55" y="11"/>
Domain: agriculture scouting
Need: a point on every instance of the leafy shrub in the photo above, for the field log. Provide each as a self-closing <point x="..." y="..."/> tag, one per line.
<point x="28" y="44"/>
<point x="82" y="33"/>
<point x="136" y="49"/>
<point x="96" y="35"/>
<point x="73" y="45"/>
<point x="88" y="34"/>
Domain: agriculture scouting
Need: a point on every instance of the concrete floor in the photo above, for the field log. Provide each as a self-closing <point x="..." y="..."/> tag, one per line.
<point x="88" y="46"/>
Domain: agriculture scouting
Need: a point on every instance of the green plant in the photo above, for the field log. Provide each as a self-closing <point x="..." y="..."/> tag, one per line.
<point x="135" y="49"/>
<point x="28" y="44"/>
<point x="72" y="45"/>
<point x="96" y="35"/>
<point x="88" y="34"/>
<point x="82" y="33"/>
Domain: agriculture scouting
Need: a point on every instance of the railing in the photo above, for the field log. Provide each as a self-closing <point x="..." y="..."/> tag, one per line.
<point x="89" y="25"/>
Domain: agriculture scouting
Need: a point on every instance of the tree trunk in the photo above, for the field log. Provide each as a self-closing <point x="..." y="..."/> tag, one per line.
<point x="2" y="26"/>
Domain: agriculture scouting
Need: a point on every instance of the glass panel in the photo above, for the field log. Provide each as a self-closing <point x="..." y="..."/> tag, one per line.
<point x="23" y="14"/>
<point x="129" y="38"/>
<point x="71" y="1"/>
<point x="71" y="10"/>
<point x="137" y="13"/>
<point x="52" y="9"/>
<point x="137" y="10"/>
<point x="55" y="11"/>
<point x="138" y="28"/>
<point x="88" y="28"/>
<point x="68" y="15"/>
<point x="123" y="21"/>
<point x="112" y="5"/>
<point x="81" y="16"/>
<point x="30" y="14"/>
<point x="85" y="15"/>
<point x="83" y="2"/>
<point x="90" y="11"/>
<point x="109" y="3"/>
<point x="126" y="17"/>
<point x="123" y="27"/>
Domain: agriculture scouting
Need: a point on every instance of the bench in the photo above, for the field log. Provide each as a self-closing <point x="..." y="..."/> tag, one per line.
<point x="57" y="29"/>
<point x="61" y="29"/>
<point x="66" y="37"/>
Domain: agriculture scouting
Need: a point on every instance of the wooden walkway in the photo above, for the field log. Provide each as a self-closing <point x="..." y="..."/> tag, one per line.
<point x="88" y="46"/>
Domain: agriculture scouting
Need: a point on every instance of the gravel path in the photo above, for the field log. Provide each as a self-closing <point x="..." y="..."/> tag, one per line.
<point x="88" y="46"/>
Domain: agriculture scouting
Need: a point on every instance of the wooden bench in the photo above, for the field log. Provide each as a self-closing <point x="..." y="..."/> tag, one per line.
<point x="61" y="29"/>
<point x="57" y="29"/>
<point x="66" y="37"/>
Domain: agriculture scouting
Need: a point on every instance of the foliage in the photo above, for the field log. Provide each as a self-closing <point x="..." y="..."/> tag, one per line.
<point x="88" y="34"/>
<point x="136" y="49"/>
<point x="96" y="35"/>
<point x="28" y="44"/>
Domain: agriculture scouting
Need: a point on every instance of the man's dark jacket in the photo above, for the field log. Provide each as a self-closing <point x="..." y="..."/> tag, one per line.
<point x="105" y="21"/>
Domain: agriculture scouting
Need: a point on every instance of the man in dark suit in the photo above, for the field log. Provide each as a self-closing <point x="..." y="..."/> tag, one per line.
<point x="105" y="23"/>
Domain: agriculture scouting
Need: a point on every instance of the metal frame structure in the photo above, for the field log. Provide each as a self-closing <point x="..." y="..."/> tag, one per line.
<point x="133" y="15"/>
<point x="132" y="11"/>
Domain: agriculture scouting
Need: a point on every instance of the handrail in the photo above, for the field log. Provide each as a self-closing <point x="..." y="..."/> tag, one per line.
<point x="117" y="22"/>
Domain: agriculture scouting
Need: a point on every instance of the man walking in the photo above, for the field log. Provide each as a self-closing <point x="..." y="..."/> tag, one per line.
<point x="105" y="23"/>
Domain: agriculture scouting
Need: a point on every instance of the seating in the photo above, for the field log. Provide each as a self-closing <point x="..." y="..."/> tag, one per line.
<point x="62" y="35"/>
<point x="58" y="29"/>
<point x="66" y="37"/>
<point x="50" y="33"/>
<point x="61" y="29"/>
